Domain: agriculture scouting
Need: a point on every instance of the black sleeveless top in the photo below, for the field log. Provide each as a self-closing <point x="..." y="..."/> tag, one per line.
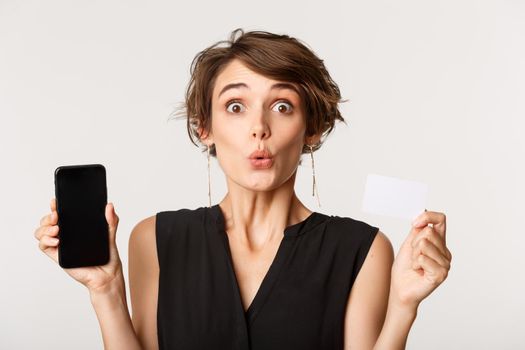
<point x="300" y="304"/>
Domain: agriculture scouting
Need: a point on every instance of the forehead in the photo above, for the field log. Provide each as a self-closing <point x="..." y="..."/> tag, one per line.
<point x="236" y="72"/>
<point x="237" y="69"/>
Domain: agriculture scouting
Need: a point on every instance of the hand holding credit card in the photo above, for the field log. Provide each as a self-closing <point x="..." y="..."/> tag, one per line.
<point x="423" y="260"/>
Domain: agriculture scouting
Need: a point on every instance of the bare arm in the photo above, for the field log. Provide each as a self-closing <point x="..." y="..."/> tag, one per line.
<point x="386" y="294"/>
<point x="368" y="300"/>
<point x="119" y="330"/>
<point x="112" y="312"/>
<point x="399" y="320"/>
<point x="144" y="282"/>
<point x="373" y="320"/>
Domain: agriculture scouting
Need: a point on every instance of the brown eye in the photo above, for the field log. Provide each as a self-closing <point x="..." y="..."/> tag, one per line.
<point x="284" y="107"/>
<point x="236" y="107"/>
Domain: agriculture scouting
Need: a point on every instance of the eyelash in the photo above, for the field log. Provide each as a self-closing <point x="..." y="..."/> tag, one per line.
<point x="239" y="101"/>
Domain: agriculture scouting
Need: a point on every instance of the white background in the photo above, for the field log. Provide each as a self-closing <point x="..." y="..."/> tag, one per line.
<point x="436" y="94"/>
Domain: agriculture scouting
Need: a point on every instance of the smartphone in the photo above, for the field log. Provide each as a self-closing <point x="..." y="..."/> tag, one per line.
<point x="81" y="198"/>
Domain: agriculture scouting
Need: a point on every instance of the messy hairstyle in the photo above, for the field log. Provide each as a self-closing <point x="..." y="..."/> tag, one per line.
<point x="278" y="57"/>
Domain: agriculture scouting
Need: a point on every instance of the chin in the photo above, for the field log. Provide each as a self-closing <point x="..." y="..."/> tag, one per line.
<point x="260" y="182"/>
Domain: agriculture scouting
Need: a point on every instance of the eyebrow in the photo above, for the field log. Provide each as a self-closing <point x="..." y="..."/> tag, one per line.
<point x="280" y="86"/>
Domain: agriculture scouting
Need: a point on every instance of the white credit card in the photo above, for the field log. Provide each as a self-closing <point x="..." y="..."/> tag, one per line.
<point x="394" y="197"/>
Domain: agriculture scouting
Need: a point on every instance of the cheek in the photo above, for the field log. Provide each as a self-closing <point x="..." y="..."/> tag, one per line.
<point x="291" y="138"/>
<point x="229" y="140"/>
<point x="229" y="146"/>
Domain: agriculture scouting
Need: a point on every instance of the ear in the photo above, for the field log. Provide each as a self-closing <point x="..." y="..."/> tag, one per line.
<point x="312" y="140"/>
<point x="205" y="137"/>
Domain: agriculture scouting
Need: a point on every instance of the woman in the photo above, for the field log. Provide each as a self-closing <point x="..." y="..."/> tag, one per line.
<point x="259" y="270"/>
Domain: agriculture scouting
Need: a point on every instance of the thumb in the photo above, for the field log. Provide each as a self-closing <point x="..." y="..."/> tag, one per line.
<point x="112" y="219"/>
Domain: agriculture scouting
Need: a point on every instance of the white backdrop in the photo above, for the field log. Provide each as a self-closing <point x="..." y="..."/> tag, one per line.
<point x="436" y="94"/>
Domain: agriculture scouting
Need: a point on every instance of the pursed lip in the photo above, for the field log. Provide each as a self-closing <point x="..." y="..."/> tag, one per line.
<point x="260" y="154"/>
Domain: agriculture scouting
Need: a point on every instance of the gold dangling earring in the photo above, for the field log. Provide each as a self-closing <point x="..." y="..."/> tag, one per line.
<point x="314" y="185"/>
<point x="209" y="184"/>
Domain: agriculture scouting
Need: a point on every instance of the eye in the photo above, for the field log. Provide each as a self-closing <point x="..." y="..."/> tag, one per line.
<point x="287" y="109"/>
<point x="234" y="103"/>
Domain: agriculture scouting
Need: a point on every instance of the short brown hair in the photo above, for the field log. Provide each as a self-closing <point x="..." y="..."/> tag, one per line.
<point x="278" y="57"/>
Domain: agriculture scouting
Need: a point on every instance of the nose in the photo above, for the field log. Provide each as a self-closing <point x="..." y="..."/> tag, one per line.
<point x="260" y="128"/>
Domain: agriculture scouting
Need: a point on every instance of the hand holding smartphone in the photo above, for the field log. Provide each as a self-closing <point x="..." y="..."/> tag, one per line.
<point x="80" y="231"/>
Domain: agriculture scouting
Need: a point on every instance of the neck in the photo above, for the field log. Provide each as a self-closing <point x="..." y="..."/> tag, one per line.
<point x="257" y="218"/>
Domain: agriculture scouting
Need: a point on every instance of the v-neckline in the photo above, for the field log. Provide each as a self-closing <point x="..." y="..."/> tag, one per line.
<point x="271" y="274"/>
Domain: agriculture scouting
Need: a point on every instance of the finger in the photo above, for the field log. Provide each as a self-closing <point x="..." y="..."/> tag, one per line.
<point x="430" y="233"/>
<point x="437" y="219"/>
<point x="429" y="217"/>
<point x="441" y="228"/>
<point x="413" y="234"/>
<point x="47" y="242"/>
<point x="448" y="254"/>
<point x="432" y="271"/>
<point x="49" y="219"/>
<point x="425" y="247"/>
<point x="112" y="219"/>
<point x="49" y="246"/>
<point x="46" y="231"/>
<point x="53" y="217"/>
<point x="45" y="220"/>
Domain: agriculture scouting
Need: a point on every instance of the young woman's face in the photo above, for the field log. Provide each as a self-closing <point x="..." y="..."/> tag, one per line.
<point x="255" y="114"/>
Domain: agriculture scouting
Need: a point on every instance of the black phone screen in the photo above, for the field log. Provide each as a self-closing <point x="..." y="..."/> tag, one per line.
<point x="81" y="198"/>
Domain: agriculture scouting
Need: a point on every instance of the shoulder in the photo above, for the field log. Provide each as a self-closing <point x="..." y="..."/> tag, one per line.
<point x="349" y="224"/>
<point x="172" y="226"/>
<point x="381" y="252"/>
<point x="142" y="238"/>
<point x="178" y="217"/>
<point x="356" y="231"/>
<point x="374" y="249"/>
<point x="374" y="274"/>
<point x="145" y="225"/>
<point x="363" y="243"/>
<point x="144" y="229"/>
